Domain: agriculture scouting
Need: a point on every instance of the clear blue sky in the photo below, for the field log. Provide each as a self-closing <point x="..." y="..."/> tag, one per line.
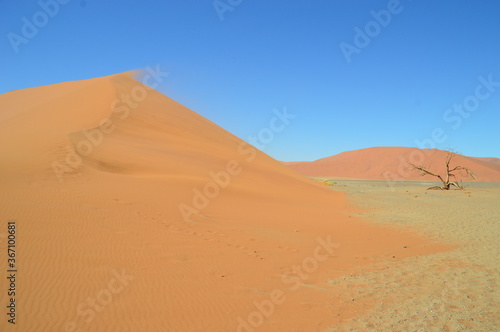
<point x="267" y="55"/>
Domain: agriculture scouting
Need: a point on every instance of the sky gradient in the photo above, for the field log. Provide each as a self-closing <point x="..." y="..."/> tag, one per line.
<point x="355" y="74"/>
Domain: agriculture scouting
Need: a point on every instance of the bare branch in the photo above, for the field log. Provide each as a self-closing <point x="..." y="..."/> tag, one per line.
<point x="435" y="188"/>
<point x="424" y="170"/>
<point x="462" y="168"/>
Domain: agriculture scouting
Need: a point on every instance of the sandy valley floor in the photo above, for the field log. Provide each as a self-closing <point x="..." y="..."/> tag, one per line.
<point x="455" y="290"/>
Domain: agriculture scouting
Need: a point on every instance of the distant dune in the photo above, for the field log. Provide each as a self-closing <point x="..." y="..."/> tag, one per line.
<point x="137" y="214"/>
<point x="392" y="163"/>
<point x="490" y="160"/>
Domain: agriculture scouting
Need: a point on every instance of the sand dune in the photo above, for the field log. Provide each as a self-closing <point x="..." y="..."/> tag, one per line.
<point x="490" y="160"/>
<point x="391" y="163"/>
<point x="135" y="213"/>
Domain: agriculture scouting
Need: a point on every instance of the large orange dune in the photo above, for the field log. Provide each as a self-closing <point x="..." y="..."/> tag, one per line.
<point x="392" y="164"/>
<point x="134" y="213"/>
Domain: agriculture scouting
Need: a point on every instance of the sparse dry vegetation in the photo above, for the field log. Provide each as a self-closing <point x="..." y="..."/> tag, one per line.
<point x="450" y="175"/>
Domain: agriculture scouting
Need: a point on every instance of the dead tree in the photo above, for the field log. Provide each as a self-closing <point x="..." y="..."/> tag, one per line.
<point x="451" y="173"/>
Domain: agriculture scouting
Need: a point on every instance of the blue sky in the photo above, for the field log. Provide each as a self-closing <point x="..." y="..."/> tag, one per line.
<point x="409" y="68"/>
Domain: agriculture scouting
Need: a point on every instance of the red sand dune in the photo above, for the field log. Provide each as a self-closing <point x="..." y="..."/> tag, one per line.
<point x="490" y="160"/>
<point x="392" y="163"/>
<point x="137" y="214"/>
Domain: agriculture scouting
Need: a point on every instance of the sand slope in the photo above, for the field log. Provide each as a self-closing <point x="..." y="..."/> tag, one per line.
<point x="137" y="214"/>
<point x="491" y="160"/>
<point x="391" y="163"/>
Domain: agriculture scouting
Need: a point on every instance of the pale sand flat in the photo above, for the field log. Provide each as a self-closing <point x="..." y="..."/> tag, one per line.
<point x="449" y="291"/>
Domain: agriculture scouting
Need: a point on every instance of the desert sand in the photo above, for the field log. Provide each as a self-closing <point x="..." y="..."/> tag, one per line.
<point x="134" y="213"/>
<point x="392" y="164"/>
<point x="455" y="290"/>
